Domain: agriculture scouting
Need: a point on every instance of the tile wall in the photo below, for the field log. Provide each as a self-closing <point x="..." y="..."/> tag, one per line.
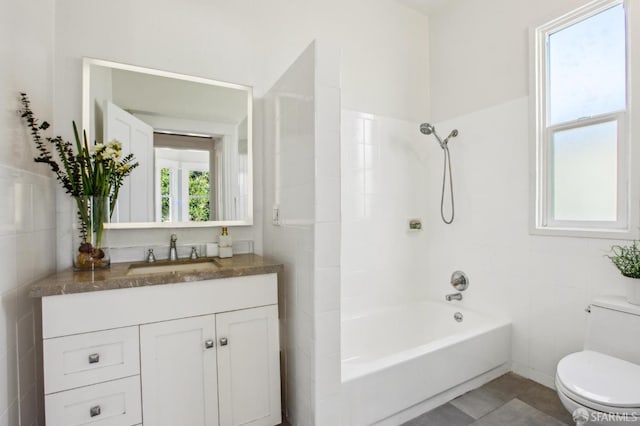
<point x="27" y="207"/>
<point x="302" y="175"/>
<point x="384" y="186"/>
<point x="541" y="283"/>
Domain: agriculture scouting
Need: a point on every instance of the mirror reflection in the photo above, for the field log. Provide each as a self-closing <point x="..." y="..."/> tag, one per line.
<point x="191" y="136"/>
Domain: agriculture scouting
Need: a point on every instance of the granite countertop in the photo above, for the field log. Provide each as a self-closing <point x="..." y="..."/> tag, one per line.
<point x="115" y="277"/>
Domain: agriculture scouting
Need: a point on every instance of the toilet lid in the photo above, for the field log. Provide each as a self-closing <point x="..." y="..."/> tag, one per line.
<point x="601" y="378"/>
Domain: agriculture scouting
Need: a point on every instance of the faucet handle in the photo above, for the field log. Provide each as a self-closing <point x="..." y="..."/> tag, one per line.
<point x="194" y="253"/>
<point x="150" y="256"/>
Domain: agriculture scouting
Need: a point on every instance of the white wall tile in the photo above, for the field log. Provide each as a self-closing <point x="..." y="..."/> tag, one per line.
<point x="327" y="203"/>
<point x="327" y="289"/>
<point x="11" y="416"/>
<point x="383" y="185"/>
<point x="8" y="249"/>
<point x="43" y="207"/>
<point x="23" y="207"/>
<point x="328" y="132"/>
<point x="293" y="241"/>
<point x="326" y="412"/>
<point x="27" y="376"/>
<point x="8" y="379"/>
<point x="541" y="283"/>
<point x="327" y="245"/>
<point x="28" y="407"/>
<point x="8" y="321"/>
<point x="328" y="64"/>
<point x="26" y="334"/>
<point x="7" y="219"/>
<point x="327" y="337"/>
<point x="328" y="381"/>
<point x="308" y="237"/>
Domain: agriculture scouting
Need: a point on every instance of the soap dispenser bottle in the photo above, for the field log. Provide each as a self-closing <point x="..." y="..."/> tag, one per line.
<point x="225" y="243"/>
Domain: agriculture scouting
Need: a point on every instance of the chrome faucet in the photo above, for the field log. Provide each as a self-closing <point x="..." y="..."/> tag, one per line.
<point x="453" y="296"/>
<point x="150" y="256"/>
<point x="173" y="251"/>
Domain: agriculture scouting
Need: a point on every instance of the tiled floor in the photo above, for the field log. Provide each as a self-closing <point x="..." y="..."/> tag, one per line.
<point x="509" y="400"/>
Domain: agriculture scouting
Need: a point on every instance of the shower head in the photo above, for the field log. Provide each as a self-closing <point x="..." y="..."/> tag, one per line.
<point x="427" y="128"/>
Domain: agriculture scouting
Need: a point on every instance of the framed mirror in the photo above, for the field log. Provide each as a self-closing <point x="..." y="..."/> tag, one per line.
<point x="191" y="136"/>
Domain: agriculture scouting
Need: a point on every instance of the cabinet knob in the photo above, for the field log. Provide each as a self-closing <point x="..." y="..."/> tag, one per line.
<point x="95" y="411"/>
<point x="223" y="341"/>
<point x="94" y="358"/>
<point x="208" y="343"/>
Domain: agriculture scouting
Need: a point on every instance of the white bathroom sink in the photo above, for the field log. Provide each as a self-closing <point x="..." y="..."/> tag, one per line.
<point x="172" y="267"/>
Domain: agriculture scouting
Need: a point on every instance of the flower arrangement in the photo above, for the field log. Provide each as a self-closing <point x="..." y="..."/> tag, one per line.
<point x="87" y="174"/>
<point x="626" y="259"/>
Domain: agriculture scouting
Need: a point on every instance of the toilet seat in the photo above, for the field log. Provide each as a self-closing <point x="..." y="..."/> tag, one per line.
<point x="600" y="381"/>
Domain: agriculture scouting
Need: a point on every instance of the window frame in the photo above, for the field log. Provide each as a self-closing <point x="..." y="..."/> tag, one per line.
<point x="541" y="191"/>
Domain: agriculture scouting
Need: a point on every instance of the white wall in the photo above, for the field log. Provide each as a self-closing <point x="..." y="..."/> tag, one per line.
<point x="479" y="69"/>
<point x="27" y="206"/>
<point x="302" y="178"/>
<point x="479" y="54"/>
<point x="384" y="59"/>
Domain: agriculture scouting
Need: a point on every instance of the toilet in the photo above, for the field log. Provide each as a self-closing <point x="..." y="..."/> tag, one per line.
<point x="601" y="384"/>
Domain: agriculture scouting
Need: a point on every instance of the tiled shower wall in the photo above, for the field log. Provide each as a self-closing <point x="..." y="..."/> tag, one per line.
<point x="384" y="186"/>
<point x="542" y="283"/>
<point x="27" y="207"/>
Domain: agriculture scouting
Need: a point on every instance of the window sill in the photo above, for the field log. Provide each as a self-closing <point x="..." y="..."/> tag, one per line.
<point x="604" y="233"/>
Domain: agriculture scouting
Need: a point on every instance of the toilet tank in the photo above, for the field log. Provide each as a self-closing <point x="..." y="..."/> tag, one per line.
<point x="613" y="328"/>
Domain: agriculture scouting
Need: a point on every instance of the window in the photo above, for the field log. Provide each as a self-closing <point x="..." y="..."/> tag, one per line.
<point x="183" y="185"/>
<point x="582" y="122"/>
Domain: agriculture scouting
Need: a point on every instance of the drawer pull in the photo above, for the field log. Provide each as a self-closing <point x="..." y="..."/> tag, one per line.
<point x="208" y="344"/>
<point x="94" y="358"/>
<point x="95" y="411"/>
<point x="223" y="341"/>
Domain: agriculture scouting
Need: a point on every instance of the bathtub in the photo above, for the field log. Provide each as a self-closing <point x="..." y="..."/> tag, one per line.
<point x="417" y="356"/>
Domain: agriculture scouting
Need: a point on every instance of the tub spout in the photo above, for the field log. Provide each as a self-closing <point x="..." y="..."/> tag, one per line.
<point x="454" y="296"/>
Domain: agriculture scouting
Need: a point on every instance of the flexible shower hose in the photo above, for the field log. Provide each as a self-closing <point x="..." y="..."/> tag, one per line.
<point x="447" y="165"/>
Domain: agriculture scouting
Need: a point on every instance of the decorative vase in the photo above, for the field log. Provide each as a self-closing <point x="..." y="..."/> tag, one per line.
<point x="90" y="250"/>
<point x="633" y="290"/>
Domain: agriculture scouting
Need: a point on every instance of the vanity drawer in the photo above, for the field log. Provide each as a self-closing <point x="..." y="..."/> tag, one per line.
<point x="85" y="359"/>
<point x="114" y="403"/>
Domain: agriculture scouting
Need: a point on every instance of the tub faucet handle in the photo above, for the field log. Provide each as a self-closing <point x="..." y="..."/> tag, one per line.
<point x="459" y="280"/>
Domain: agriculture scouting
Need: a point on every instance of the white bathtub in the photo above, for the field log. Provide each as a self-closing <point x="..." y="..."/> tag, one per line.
<point x="409" y="355"/>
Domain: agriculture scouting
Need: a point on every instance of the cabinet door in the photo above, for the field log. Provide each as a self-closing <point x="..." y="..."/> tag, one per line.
<point x="249" y="367"/>
<point x="178" y="369"/>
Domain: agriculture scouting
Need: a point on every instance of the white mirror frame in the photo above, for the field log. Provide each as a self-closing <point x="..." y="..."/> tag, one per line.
<point x="86" y="124"/>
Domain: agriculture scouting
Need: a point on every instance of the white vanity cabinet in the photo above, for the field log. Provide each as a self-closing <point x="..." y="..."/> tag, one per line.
<point x="240" y="348"/>
<point x="202" y="353"/>
<point x="248" y="367"/>
<point x="179" y="357"/>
